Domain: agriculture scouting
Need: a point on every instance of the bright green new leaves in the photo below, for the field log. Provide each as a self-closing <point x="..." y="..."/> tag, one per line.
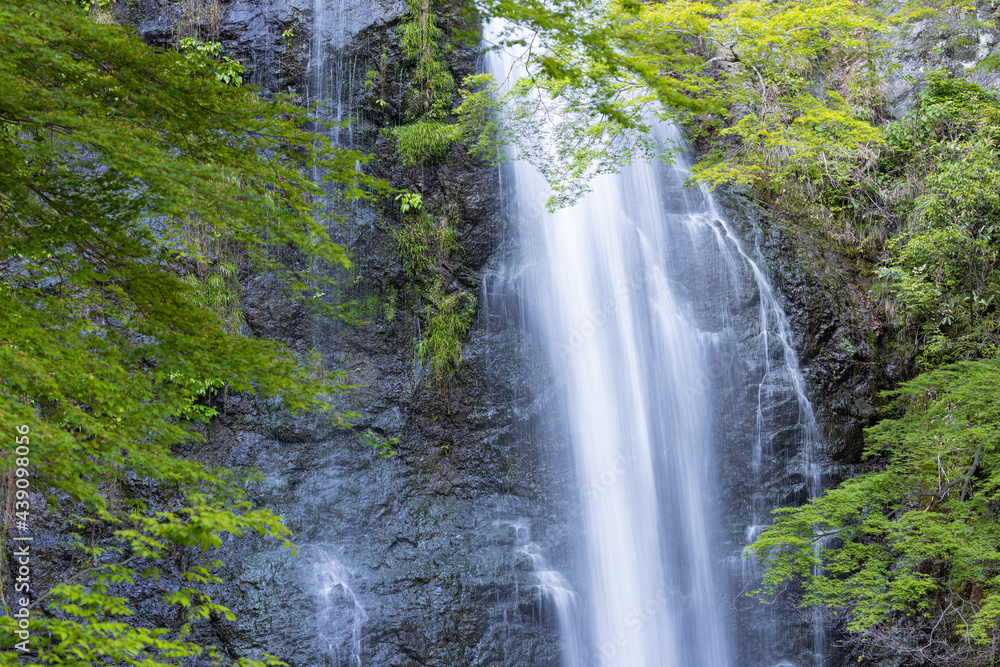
<point x="473" y="123"/>
<point x="791" y="127"/>
<point x="591" y="84"/>
<point x="594" y="84"/>
<point x="135" y="188"/>
<point x="778" y="46"/>
<point x="920" y="538"/>
<point x="227" y="70"/>
<point x="478" y="118"/>
<point x="448" y="320"/>
<point x="823" y="145"/>
<point x="594" y="46"/>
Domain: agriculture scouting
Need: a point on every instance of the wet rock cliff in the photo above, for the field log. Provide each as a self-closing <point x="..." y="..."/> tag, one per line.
<point x="424" y="558"/>
<point x="421" y="558"/>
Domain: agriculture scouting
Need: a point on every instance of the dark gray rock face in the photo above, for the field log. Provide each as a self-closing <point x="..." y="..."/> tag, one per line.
<point x="837" y="327"/>
<point x="417" y="559"/>
<point x="958" y="45"/>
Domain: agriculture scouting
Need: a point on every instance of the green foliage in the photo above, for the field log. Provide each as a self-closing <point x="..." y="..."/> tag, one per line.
<point x="423" y="240"/>
<point x="942" y="261"/>
<point x="383" y="446"/>
<point x="640" y="62"/>
<point x="88" y="624"/>
<point x="122" y="211"/>
<point x="821" y="144"/>
<point x="218" y="292"/>
<point x="919" y="537"/>
<point x="586" y="109"/>
<point x="795" y="86"/>
<point x="478" y="116"/>
<point x="448" y="318"/>
<point x="410" y="202"/>
<point x="425" y="142"/>
<point x="420" y="39"/>
<point x="196" y="388"/>
<point x="599" y="47"/>
<point x="787" y="132"/>
<point x="227" y="70"/>
<point x="476" y="123"/>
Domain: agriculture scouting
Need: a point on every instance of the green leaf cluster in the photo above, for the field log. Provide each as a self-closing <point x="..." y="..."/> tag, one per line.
<point x="132" y="181"/>
<point x="596" y="78"/>
<point x="382" y="445"/>
<point x="917" y="539"/>
<point x="227" y="70"/>
<point x="942" y="160"/>
<point x="598" y="47"/>
<point x="750" y="66"/>
<point x="448" y="319"/>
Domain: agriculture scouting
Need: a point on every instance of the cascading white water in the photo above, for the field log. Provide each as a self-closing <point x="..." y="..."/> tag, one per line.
<point x="639" y="292"/>
<point x="327" y="85"/>
<point x="336" y="602"/>
<point x="553" y="585"/>
<point x="340" y="616"/>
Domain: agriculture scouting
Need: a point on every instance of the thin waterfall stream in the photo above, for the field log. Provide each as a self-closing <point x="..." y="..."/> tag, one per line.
<point x="663" y="332"/>
<point x="340" y="616"/>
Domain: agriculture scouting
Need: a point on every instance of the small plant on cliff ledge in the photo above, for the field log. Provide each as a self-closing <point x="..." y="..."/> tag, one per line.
<point x="423" y="240"/>
<point x="382" y="445"/>
<point x="425" y="142"/>
<point x="433" y="84"/>
<point x="448" y="320"/>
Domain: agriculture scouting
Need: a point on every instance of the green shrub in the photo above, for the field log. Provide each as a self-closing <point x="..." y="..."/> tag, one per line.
<point x="425" y="142"/>
<point x="218" y="291"/>
<point x="433" y="84"/>
<point x="448" y="320"/>
<point x="478" y="115"/>
<point x="918" y="536"/>
<point x="423" y="239"/>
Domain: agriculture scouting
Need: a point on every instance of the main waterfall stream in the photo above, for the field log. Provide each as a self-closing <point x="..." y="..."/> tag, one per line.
<point x="668" y="345"/>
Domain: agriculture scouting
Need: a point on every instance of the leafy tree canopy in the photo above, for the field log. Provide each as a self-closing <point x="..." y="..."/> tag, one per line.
<point x="916" y="538"/>
<point x="128" y="178"/>
<point x="610" y="68"/>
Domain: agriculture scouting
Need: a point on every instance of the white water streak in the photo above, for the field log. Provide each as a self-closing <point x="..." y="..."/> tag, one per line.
<point x="614" y="281"/>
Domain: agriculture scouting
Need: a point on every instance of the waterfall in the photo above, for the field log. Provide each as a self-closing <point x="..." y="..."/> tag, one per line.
<point x="340" y="616"/>
<point x="337" y="603"/>
<point x="670" y="349"/>
<point x="553" y="586"/>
